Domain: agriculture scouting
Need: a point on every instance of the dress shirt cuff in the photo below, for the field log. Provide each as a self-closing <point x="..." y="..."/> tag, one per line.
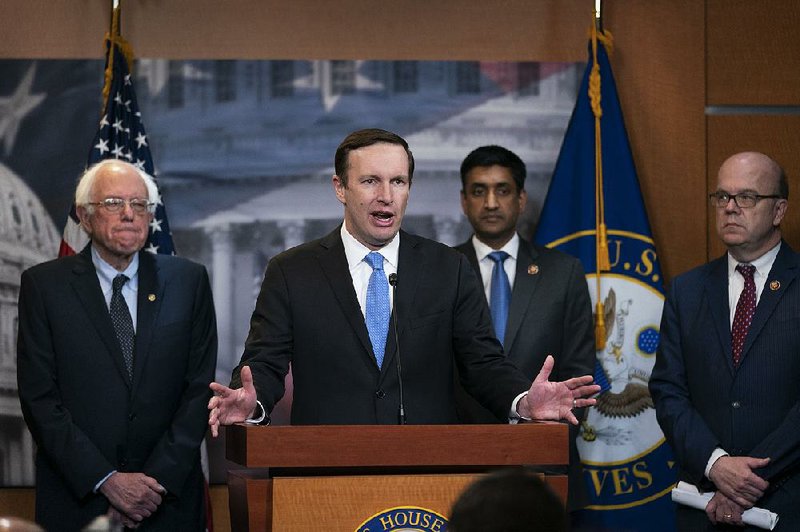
<point x="102" y="481"/>
<point x="514" y="416"/>
<point x="716" y="455"/>
<point x="259" y="415"/>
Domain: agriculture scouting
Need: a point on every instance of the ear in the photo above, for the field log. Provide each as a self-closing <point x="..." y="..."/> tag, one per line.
<point x="85" y="218"/>
<point x="523" y="199"/>
<point x="339" y="187"/>
<point x="780" y="211"/>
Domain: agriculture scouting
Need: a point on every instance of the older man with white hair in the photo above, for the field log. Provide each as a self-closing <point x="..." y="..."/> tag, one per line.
<point x="116" y="349"/>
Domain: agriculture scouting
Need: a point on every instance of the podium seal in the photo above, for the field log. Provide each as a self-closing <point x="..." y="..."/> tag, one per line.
<point x="405" y="518"/>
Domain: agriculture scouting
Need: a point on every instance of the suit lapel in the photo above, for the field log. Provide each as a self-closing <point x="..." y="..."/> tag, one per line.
<point x="717" y="290"/>
<point x="148" y="302"/>
<point x="87" y="289"/>
<point x="409" y="268"/>
<point x="334" y="265"/>
<point x="522" y="293"/>
<point x="469" y="251"/>
<point x="783" y="273"/>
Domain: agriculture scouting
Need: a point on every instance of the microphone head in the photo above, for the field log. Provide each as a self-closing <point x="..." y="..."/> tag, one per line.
<point x="393" y="279"/>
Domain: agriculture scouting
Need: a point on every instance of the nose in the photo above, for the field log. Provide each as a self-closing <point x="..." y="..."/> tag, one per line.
<point x="491" y="200"/>
<point x="127" y="212"/>
<point x="385" y="193"/>
<point x="731" y="206"/>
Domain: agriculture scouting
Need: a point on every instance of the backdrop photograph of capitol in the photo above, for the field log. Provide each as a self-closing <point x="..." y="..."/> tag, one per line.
<point x="243" y="152"/>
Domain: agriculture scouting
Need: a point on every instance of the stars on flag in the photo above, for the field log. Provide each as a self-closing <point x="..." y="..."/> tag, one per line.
<point x="126" y="103"/>
<point x="141" y="140"/>
<point x="102" y="145"/>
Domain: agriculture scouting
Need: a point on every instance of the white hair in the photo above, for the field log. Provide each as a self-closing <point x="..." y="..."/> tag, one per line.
<point x="88" y="178"/>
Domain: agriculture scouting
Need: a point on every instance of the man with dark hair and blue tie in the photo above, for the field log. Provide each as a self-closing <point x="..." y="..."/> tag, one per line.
<point x="725" y="381"/>
<point x="538" y="296"/>
<point x="325" y="308"/>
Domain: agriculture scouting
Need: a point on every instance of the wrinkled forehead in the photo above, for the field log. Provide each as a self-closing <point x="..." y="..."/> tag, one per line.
<point x="118" y="181"/>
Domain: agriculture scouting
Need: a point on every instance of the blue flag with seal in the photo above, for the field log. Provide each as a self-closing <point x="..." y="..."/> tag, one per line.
<point x="594" y="211"/>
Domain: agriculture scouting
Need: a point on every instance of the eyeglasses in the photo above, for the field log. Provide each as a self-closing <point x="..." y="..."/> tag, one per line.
<point x="114" y="205"/>
<point x="745" y="200"/>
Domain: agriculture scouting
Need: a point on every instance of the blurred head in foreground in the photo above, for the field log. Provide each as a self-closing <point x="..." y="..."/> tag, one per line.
<point x="511" y="500"/>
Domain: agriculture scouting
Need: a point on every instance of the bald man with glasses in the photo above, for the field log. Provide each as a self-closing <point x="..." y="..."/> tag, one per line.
<point x="727" y="373"/>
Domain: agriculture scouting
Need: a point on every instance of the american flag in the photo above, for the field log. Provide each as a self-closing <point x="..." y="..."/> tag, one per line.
<point x="121" y="135"/>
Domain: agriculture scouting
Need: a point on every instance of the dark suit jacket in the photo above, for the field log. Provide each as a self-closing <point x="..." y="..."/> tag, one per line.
<point x="85" y="414"/>
<point x="703" y="402"/>
<point x="550" y="314"/>
<point x="307" y="314"/>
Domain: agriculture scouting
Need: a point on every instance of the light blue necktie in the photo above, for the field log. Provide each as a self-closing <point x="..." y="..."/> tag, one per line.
<point x="378" y="307"/>
<point x="500" y="295"/>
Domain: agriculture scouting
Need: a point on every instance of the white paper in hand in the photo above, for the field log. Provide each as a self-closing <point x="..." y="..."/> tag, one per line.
<point x="688" y="495"/>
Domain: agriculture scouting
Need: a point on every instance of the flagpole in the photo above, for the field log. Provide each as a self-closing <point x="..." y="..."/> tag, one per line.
<point x="598" y="14"/>
<point x="601" y="238"/>
<point x="111" y="36"/>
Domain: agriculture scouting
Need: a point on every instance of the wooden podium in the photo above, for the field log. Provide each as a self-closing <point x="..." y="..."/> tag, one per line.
<point x="335" y="477"/>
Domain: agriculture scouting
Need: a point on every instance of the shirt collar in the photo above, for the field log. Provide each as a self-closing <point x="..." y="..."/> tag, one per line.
<point x="106" y="272"/>
<point x="355" y="251"/>
<point x="763" y="263"/>
<point x="482" y="250"/>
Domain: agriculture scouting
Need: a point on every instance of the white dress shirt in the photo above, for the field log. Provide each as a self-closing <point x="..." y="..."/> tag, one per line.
<point x="360" y="271"/>
<point x="487" y="265"/>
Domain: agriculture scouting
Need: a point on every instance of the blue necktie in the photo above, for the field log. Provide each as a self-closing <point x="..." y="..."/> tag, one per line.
<point x="378" y="308"/>
<point x="500" y="296"/>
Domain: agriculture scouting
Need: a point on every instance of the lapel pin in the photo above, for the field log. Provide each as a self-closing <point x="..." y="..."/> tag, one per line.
<point x="151" y="297"/>
<point x="774" y="285"/>
<point x="533" y="269"/>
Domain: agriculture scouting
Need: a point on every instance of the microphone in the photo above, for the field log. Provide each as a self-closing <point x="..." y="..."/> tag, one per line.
<point x="401" y="413"/>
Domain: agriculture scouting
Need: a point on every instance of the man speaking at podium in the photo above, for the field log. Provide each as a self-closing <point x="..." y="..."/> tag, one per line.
<point x="327" y="308"/>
